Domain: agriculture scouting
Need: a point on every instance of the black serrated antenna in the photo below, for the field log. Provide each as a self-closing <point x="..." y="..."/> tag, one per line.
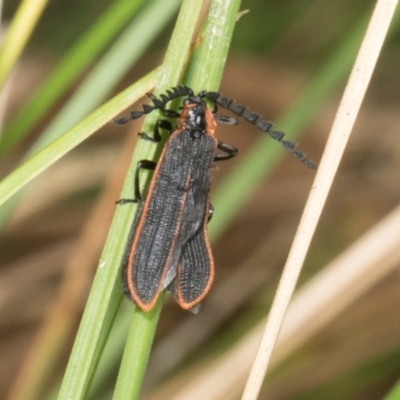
<point x="263" y="125"/>
<point x="158" y="103"/>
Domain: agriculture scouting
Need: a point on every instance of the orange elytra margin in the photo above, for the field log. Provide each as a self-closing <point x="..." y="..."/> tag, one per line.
<point x="168" y="247"/>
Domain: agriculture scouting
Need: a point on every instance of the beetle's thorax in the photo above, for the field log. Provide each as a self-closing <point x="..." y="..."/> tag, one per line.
<point x="196" y="117"/>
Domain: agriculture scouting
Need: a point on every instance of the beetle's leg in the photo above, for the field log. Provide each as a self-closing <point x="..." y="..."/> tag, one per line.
<point x="160" y="124"/>
<point x="142" y="164"/>
<point x="229" y="151"/>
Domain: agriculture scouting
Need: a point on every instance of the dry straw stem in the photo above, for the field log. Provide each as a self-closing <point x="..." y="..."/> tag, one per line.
<point x="365" y="263"/>
<point x="18" y="34"/>
<point x="375" y="255"/>
<point x="338" y="138"/>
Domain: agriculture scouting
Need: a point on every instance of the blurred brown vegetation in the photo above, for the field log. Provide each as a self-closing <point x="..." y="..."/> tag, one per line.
<point x="357" y="355"/>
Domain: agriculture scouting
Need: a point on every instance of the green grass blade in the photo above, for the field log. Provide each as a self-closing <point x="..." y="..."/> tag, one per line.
<point x="106" y="288"/>
<point x="214" y="47"/>
<point x="51" y="153"/>
<point x="112" y="67"/>
<point x="143" y="325"/>
<point x="209" y="61"/>
<point x="394" y="393"/>
<point x="107" y="72"/>
<point x="73" y="64"/>
<point x="136" y="353"/>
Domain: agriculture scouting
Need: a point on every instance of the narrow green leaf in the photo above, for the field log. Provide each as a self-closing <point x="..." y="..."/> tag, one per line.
<point x="143" y="326"/>
<point x="107" y="72"/>
<point x="112" y="67"/>
<point x="55" y="150"/>
<point x="394" y="394"/>
<point x="72" y="65"/>
<point x="209" y="60"/>
<point x="136" y="353"/>
<point x="106" y="288"/>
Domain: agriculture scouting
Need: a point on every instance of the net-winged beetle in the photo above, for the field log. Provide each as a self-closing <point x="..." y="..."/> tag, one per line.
<point x="168" y="245"/>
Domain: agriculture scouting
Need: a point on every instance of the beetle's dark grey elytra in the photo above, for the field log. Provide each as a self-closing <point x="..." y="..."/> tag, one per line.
<point x="168" y="245"/>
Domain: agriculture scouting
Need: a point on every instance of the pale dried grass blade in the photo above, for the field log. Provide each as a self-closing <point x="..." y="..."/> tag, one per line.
<point x="341" y="129"/>
<point x="372" y="257"/>
<point x="358" y="268"/>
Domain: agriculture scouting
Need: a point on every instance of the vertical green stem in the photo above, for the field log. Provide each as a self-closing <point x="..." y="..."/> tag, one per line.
<point x="212" y="52"/>
<point x="214" y="45"/>
<point x="144" y="324"/>
<point x="137" y="350"/>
